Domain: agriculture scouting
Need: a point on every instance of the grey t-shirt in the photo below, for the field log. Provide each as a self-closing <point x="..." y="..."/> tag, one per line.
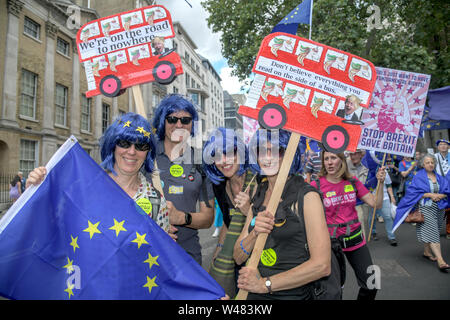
<point x="182" y="184"/>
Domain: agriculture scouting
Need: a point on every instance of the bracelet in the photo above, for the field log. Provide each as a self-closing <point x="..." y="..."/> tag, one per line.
<point x="220" y="245"/>
<point x="242" y="247"/>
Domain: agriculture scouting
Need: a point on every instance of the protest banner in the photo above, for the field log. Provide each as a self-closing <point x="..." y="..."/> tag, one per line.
<point x="127" y="49"/>
<point x="392" y="121"/>
<point x="301" y="86"/>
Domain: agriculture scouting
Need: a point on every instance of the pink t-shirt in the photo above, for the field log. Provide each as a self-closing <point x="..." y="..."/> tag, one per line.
<point x="339" y="200"/>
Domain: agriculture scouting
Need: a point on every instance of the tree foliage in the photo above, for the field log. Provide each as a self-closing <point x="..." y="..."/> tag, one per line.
<point x="407" y="35"/>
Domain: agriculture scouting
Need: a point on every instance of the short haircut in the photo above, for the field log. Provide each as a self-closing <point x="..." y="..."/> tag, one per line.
<point x="223" y="141"/>
<point x="170" y="104"/>
<point x="127" y="128"/>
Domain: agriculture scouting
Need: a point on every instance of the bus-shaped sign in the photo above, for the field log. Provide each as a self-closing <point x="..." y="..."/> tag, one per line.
<point x="127" y="49"/>
<point x="310" y="88"/>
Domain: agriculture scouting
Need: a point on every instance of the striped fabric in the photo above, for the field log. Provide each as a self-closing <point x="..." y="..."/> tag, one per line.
<point x="223" y="267"/>
<point x="429" y="231"/>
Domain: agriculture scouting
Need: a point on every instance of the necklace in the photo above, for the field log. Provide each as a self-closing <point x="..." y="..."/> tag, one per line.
<point x="231" y="192"/>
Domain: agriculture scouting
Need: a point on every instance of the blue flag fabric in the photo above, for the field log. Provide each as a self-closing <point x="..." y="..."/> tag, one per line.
<point x="78" y="235"/>
<point x="301" y="14"/>
<point x="439" y="102"/>
<point x="419" y="185"/>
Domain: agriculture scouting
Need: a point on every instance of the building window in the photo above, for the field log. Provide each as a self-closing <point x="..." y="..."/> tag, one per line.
<point x="28" y="156"/>
<point x="28" y="94"/>
<point x="86" y="104"/>
<point x="105" y="116"/>
<point x="188" y="80"/>
<point x="62" y="46"/>
<point x="175" y="90"/>
<point x="194" y="97"/>
<point x="32" y="28"/>
<point x="60" y="104"/>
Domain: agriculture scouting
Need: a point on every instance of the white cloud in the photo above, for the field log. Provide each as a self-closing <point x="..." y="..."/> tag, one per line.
<point x="208" y="43"/>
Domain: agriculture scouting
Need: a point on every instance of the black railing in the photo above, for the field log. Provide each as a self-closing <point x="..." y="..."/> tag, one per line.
<point x="5" y="182"/>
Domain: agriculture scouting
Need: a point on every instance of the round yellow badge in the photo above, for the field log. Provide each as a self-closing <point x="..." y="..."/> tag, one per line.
<point x="145" y="205"/>
<point x="268" y="257"/>
<point x="176" y="170"/>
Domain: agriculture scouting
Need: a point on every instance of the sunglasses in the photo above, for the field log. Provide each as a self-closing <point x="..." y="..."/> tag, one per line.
<point x="183" y="120"/>
<point x="125" y="144"/>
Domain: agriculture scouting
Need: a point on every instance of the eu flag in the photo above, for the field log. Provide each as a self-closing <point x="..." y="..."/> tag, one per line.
<point x="78" y="235"/>
<point x="301" y="14"/>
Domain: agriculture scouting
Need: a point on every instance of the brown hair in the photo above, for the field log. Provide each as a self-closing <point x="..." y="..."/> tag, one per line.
<point x="343" y="171"/>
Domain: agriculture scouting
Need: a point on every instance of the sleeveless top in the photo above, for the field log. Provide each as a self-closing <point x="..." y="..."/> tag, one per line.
<point x="286" y="246"/>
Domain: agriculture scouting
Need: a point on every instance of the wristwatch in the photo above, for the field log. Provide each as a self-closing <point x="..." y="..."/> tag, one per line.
<point x="188" y="219"/>
<point x="268" y="284"/>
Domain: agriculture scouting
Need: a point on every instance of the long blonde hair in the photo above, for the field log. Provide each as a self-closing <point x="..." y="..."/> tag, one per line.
<point x="343" y="171"/>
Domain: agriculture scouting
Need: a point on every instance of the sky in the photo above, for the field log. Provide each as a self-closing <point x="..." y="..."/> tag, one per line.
<point x="208" y="43"/>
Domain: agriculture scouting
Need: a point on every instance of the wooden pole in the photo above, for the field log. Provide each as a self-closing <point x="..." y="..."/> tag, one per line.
<point x="376" y="197"/>
<point x="272" y="206"/>
<point x="140" y="109"/>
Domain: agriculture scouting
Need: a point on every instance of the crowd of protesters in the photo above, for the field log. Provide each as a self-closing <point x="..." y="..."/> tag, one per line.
<point x="325" y="214"/>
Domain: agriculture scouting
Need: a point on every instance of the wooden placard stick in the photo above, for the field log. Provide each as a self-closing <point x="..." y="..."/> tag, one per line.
<point x="140" y="109"/>
<point x="272" y="206"/>
<point x="376" y="197"/>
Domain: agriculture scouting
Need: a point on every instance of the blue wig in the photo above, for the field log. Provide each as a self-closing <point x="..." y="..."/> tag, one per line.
<point x="170" y="104"/>
<point x="223" y="141"/>
<point x="131" y="127"/>
<point x="277" y="138"/>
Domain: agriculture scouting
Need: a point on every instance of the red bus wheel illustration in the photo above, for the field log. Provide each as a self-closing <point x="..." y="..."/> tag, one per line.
<point x="110" y="86"/>
<point x="164" y="72"/>
<point x="335" y="139"/>
<point x="272" y="116"/>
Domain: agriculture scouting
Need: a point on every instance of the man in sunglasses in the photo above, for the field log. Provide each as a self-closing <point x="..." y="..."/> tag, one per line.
<point x="183" y="181"/>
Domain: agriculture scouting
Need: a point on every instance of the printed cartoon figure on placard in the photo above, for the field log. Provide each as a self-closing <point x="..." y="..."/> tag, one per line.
<point x="295" y="94"/>
<point x="350" y="109"/>
<point x="306" y="50"/>
<point x="124" y="42"/>
<point x="322" y="102"/>
<point x="131" y="19"/>
<point x="109" y="25"/>
<point x="273" y="87"/>
<point x="394" y="114"/>
<point x="336" y="60"/>
<point x="283" y="43"/>
<point x="153" y="14"/>
<point x="359" y="68"/>
<point x="115" y="59"/>
<point x="90" y="30"/>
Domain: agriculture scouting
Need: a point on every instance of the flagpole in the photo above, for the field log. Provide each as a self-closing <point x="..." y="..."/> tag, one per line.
<point x="376" y="197"/>
<point x="310" y="18"/>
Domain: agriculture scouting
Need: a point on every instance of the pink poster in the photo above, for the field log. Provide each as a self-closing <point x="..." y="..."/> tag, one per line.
<point x="392" y="121"/>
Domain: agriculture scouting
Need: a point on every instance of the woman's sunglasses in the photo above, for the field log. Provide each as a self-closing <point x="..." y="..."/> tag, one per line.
<point x="183" y="120"/>
<point x="141" y="146"/>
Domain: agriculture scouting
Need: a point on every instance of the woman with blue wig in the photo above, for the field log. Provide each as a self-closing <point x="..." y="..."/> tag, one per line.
<point x="184" y="182"/>
<point x="126" y="148"/>
<point x="225" y="162"/>
<point x="297" y="251"/>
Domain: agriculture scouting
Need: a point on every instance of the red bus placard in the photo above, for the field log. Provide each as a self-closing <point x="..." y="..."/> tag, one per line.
<point x="129" y="48"/>
<point x="302" y="86"/>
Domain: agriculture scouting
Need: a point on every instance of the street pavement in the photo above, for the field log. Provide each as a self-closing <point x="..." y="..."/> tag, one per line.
<point x="405" y="274"/>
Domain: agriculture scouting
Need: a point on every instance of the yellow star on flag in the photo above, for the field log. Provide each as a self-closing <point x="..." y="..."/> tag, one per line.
<point x="92" y="229"/>
<point x="150" y="284"/>
<point x="74" y="243"/>
<point x="140" y="129"/>
<point x="140" y="239"/>
<point x="68" y="266"/>
<point x="127" y="124"/>
<point x="147" y="134"/>
<point x="118" y="226"/>
<point x="151" y="260"/>
<point x="69" y="289"/>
